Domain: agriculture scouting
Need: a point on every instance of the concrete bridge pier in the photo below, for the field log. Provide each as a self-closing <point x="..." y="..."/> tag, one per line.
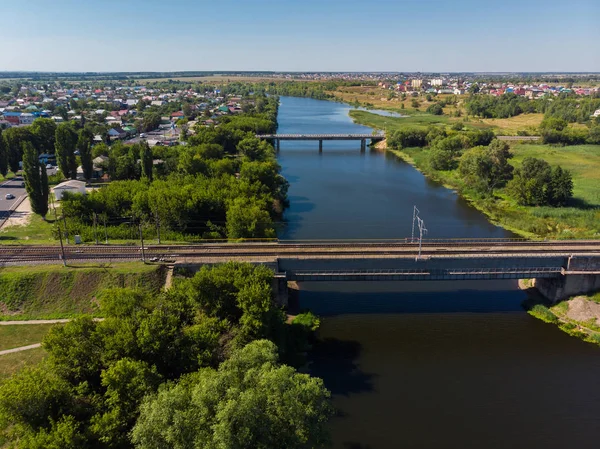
<point x="280" y="290"/>
<point x="277" y="145"/>
<point x="581" y="276"/>
<point x="565" y="286"/>
<point x="363" y="145"/>
<point x="320" y="146"/>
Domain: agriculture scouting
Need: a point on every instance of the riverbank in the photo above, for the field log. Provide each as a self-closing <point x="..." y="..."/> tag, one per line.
<point x="581" y="220"/>
<point x="578" y="316"/>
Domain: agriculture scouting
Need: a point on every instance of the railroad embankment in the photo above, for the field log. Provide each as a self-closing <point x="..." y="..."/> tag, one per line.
<point x="53" y="291"/>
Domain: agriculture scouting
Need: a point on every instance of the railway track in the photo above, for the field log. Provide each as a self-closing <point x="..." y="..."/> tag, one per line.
<point x="14" y="254"/>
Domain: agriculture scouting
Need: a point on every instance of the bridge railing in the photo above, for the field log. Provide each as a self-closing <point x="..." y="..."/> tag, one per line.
<point x="449" y="271"/>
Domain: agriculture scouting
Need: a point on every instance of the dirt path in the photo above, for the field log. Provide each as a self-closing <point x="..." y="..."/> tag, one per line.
<point x="22" y="348"/>
<point x="169" y="277"/>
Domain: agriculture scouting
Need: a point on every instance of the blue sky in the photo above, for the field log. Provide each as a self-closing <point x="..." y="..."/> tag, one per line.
<point x="300" y="35"/>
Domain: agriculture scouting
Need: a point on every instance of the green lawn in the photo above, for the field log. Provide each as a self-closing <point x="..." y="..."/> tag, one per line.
<point x="17" y="335"/>
<point x="12" y="363"/>
<point x="36" y="232"/>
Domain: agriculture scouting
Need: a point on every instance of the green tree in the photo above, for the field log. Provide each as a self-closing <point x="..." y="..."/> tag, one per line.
<point x="529" y="184"/>
<point x="32" y="397"/>
<point x="486" y="168"/>
<point x="247" y="219"/>
<point x="250" y="401"/>
<point x="3" y="155"/>
<point x="66" y="142"/>
<point x="15" y="138"/>
<point x="36" y="180"/>
<point x="44" y="131"/>
<point x="126" y="382"/>
<point x="560" y="187"/>
<point x="435" y="109"/>
<point x="84" y="146"/>
<point x="146" y="161"/>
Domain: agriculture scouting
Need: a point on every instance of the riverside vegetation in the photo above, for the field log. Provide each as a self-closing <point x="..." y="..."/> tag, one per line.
<point x="534" y="190"/>
<point x="201" y="365"/>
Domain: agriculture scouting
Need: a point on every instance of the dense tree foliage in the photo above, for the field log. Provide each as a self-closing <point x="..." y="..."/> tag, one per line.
<point x="44" y="132"/>
<point x="36" y="180"/>
<point x="250" y="401"/>
<point x="3" y="155"/>
<point x="15" y="138"/>
<point x="103" y="379"/>
<point x="224" y="184"/>
<point x="486" y="168"/>
<point x="536" y="183"/>
<point x="84" y="146"/>
<point x="66" y="143"/>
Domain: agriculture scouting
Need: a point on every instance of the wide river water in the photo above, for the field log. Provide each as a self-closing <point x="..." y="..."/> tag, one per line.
<point x="424" y="365"/>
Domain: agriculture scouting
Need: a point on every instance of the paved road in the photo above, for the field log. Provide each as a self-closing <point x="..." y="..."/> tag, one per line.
<point x="14" y="187"/>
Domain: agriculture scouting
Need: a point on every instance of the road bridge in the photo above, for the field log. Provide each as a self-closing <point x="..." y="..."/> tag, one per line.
<point x="562" y="268"/>
<point x="277" y="138"/>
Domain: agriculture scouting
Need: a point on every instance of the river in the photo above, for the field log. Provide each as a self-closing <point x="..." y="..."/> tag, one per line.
<point x="424" y="365"/>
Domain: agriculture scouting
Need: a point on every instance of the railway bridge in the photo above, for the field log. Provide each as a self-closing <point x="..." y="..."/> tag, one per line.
<point x="561" y="268"/>
<point x="277" y="138"/>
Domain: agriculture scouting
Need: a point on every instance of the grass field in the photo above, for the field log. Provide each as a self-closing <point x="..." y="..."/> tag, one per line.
<point x="17" y="335"/>
<point x="53" y="291"/>
<point x="510" y="126"/>
<point x="37" y="231"/>
<point x="583" y="161"/>
<point x="12" y="363"/>
<point x="417" y="120"/>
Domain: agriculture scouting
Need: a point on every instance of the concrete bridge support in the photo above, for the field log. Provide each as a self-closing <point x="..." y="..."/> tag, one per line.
<point x="563" y="287"/>
<point x="363" y="145"/>
<point x="277" y="145"/>
<point x="280" y="290"/>
<point x="320" y="146"/>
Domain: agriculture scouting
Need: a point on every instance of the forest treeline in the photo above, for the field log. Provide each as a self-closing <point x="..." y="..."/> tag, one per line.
<point x="482" y="162"/>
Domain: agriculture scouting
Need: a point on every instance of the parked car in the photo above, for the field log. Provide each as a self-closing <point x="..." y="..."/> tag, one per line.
<point x="48" y="165"/>
<point x="9" y="196"/>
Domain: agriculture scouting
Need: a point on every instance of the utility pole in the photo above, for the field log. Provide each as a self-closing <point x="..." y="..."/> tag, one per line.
<point x="95" y="228"/>
<point x="105" y="231"/>
<point x="142" y="240"/>
<point x="422" y="230"/>
<point x="158" y="228"/>
<point x="66" y="231"/>
<point x="415" y="216"/>
<point x="62" y="248"/>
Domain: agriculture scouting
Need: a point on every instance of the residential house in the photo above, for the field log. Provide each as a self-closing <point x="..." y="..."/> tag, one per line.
<point x="116" y="133"/>
<point x="12" y="117"/>
<point x="596" y="113"/>
<point x="72" y="186"/>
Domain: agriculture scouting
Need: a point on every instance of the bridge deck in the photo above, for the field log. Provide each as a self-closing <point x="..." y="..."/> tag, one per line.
<point x="321" y="136"/>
